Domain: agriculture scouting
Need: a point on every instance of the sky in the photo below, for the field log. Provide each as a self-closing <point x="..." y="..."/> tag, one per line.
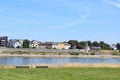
<point x="61" y="20"/>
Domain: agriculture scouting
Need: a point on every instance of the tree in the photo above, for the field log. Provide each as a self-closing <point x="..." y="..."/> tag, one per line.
<point x="81" y="45"/>
<point x="90" y="43"/>
<point x="26" y="43"/>
<point x="104" y="45"/>
<point x="95" y="44"/>
<point x="118" y="46"/>
<point x="73" y="43"/>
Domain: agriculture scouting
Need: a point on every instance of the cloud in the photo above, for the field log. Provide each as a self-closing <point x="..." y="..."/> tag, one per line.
<point x="73" y="23"/>
<point x="70" y="24"/>
<point x="71" y="6"/>
<point x="65" y="3"/>
<point x="114" y="3"/>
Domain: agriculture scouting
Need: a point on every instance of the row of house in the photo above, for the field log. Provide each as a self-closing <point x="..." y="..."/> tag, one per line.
<point x="18" y="43"/>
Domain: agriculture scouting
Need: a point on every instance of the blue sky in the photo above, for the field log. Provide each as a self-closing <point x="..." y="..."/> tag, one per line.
<point x="61" y="20"/>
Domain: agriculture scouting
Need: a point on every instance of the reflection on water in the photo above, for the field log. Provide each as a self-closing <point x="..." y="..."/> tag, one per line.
<point x="39" y="60"/>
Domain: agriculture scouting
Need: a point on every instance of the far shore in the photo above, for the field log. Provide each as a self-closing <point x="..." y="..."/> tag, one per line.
<point x="10" y="52"/>
<point x="62" y="56"/>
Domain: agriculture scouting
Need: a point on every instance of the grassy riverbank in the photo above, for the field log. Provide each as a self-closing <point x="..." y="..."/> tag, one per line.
<point x="61" y="74"/>
<point x="60" y="52"/>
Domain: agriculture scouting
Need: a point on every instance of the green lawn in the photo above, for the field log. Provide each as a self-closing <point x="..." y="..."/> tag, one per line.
<point x="61" y="74"/>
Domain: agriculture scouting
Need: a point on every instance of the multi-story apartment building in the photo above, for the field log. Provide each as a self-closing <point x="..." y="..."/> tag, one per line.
<point x="3" y="41"/>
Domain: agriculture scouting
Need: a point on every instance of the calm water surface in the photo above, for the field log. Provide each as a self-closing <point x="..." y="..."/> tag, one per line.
<point x="38" y="60"/>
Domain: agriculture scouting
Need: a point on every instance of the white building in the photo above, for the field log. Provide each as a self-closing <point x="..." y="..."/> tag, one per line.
<point x="86" y="47"/>
<point x="67" y="46"/>
<point x="35" y="44"/>
<point x="60" y="45"/>
<point x="96" y="48"/>
<point x="113" y="46"/>
<point x="15" y="43"/>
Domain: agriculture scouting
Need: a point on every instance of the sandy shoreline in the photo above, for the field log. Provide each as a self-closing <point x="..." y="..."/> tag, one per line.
<point x="67" y="56"/>
<point x="67" y="65"/>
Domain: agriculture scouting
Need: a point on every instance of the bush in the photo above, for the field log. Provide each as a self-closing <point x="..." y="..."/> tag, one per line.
<point x="43" y="53"/>
<point x="74" y="53"/>
<point x="37" y="53"/>
<point x="25" y="52"/>
<point x="12" y="53"/>
<point x="19" y="52"/>
<point x="22" y="52"/>
<point x="86" y="54"/>
<point x="93" y="53"/>
<point x="115" y="53"/>
<point x="59" y="53"/>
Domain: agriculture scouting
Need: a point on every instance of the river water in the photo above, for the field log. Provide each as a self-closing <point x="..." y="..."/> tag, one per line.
<point x="38" y="60"/>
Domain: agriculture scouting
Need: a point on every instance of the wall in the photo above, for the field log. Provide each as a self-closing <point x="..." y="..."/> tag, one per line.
<point x="41" y="50"/>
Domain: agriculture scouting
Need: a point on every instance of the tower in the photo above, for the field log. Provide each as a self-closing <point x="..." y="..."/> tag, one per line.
<point x="87" y="48"/>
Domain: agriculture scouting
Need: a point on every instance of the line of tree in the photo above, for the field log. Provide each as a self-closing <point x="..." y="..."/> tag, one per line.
<point x="118" y="46"/>
<point x="80" y="44"/>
